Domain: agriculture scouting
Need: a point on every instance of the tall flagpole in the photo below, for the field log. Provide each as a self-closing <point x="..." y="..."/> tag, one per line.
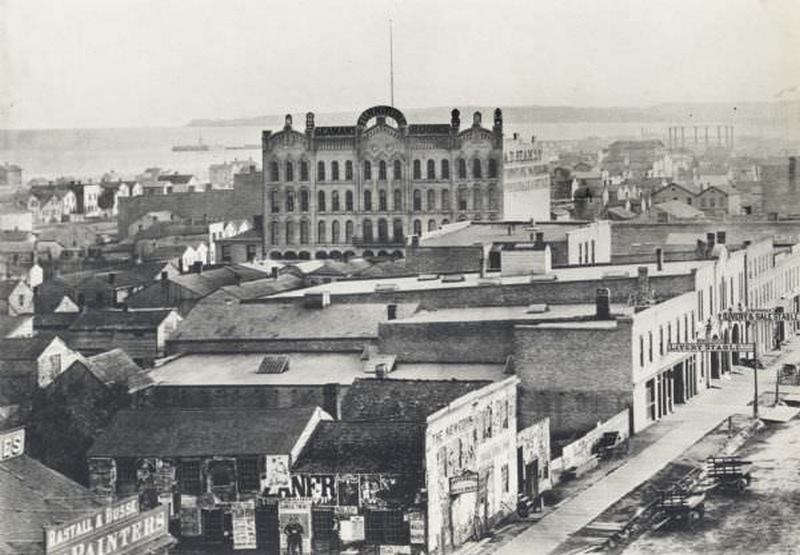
<point x="391" y="66"/>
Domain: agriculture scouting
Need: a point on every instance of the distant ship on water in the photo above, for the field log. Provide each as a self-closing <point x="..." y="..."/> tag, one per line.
<point x="199" y="147"/>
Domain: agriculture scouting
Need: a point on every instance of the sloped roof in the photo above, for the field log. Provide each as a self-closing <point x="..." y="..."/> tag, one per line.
<point x="23" y="348"/>
<point x="130" y="320"/>
<point x="115" y="366"/>
<point x="54" y="320"/>
<point x="291" y="320"/>
<point x="679" y="209"/>
<point x="198" y="432"/>
<point x="265" y="287"/>
<point x="47" y="299"/>
<point x="7" y="287"/>
<point x="10" y="324"/>
<point x="620" y="213"/>
<point x="40" y="497"/>
<point x="389" y="400"/>
<point x="363" y="447"/>
<point x="167" y="252"/>
<point x="690" y="188"/>
<point x="171" y="229"/>
<point x="176" y="178"/>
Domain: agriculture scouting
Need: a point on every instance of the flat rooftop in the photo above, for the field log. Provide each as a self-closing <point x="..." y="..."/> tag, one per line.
<point x="576" y="273"/>
<point x="568" y="313"/>
<point x="306" y="369"/>
<point x="467" y="235"/>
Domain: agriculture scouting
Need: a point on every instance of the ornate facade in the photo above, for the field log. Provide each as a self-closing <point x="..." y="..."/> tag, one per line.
<point x="364" y="189"/>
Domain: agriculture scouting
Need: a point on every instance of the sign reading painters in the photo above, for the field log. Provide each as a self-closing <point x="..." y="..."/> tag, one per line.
<point x="709" y="347"/>
<point x="116" y="529"/>
<point x="12" y="444"/>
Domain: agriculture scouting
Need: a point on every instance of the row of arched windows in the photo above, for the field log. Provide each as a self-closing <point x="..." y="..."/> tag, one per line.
<point x="379" y="231"/>
<point x="382" y="170"/>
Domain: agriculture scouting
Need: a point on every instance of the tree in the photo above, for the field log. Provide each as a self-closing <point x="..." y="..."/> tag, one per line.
<point x="106" y="199"/>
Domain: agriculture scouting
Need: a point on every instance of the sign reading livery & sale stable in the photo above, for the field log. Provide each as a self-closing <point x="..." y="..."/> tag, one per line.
<point x="709" y="347"/>
<point x="117" y="529"/>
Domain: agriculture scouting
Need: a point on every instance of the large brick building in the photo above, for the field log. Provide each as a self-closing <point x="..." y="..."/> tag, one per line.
<point x="332" y="191"/>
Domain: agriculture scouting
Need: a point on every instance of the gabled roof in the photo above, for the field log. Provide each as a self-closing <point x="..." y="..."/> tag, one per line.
<point x="679" y="209"/>
<point x="723" y="188"/>
<point x="47" y="299"/>
<point x="23" y="348"/>
<point x="7" y="287"/>
<point x="39" y="496"/>
<point x="199" y="432"/>
<point x="388" y="400"/>
<point x="12" y="324"/>
<point x="690" y="188"/>
<point x="176" y="178"/>
<point x="54" y="320"/>
<point x="130" y="320"/>
<point x="363" y="447"/>
<point x="116" y="367"/>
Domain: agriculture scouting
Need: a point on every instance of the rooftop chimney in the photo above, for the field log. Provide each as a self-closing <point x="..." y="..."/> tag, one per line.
<point x="792" y="171"/>
<point x="112" y="277"/>
<point x="643" y="280"/>
<point x="274" y="272"/>
<point x="317" y="300"/>
<point x="659" y="259"/>
<point x="164" y="276"/>
<point x="603" y="304"/>
<point x="381" y="370"/>
<point x="391" y="311"/>
<point x="711" y="241"/>
<point x="539" y="237"/>
<point x="721" y="237"/>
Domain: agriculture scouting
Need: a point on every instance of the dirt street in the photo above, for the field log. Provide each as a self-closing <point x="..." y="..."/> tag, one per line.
<point x="762" y="520"/>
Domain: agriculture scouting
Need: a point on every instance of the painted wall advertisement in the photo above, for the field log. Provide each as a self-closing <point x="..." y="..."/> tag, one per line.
<point x="416" y="526"/>
<point x="278" y="478"/>
<point x="244" y="524"/>
<point x="294" y="523"/>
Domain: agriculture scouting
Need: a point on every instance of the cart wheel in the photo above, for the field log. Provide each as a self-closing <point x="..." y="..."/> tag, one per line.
<point x="741" y="484"/>
<point x="695" y="516"/>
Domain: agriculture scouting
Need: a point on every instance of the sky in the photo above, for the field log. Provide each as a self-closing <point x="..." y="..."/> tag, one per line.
<point x="123" y="63"/>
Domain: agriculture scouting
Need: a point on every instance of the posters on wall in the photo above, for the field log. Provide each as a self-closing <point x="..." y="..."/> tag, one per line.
<point x="294" y="523"/>
<point x="244" y="524"/>
<point x="277" y="474"/>
<point x="395" y="550"/>
<point x="352" y="529"/>
<point x="348" y="490"/>
<point x="191" y="522"/>
<point x="416" y="526"/>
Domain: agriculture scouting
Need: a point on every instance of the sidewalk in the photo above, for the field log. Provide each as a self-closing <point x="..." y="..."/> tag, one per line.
<point x="654" y="448"/>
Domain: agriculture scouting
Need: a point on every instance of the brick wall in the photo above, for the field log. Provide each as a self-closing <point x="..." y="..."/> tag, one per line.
<point x="447" y="341"/>
<point x="575" y="376"/>
<point x="436" y="260"/>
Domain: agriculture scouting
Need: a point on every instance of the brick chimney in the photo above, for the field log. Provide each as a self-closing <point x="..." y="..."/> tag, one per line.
<point x="391" y="311"/>
<point x="721" y="236"/>
<point x="643" y="281"/>
<point x="603" y="304"/>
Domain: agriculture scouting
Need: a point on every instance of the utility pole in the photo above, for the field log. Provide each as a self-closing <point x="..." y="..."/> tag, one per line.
<point x="755" y="370"/>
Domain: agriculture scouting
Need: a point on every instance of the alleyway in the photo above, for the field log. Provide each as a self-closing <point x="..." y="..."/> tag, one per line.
<point x="654" y="448"/>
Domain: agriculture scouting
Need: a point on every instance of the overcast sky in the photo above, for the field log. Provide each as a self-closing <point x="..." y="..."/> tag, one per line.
<point x="104" y="63"/>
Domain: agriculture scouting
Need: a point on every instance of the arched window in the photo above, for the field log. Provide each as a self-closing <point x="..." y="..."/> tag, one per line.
<point x="382" y="170"/>
<point x="445" y="221"/>
<point x="289" y="171"/>
<point x="321" y="201"/>
<point x="398" y="199"/>
<point x="335" y="171"/>
<point x="492" y="167"/>
<point x="431" y="225"/>
<point x="417" y="227"/>
<point x="274" y="233"/>
<point x="367" y="170"/>
<point x="335" y="201"/>
<point x="289" y="232"/>
<point x="383" y="230"/>
<point x="417" y="169"/>
<point x="462" y="168"/>
<point x="398" y="170"/>
<point x="321" y="232"/>
<point x="334" y="232"/>
<point x="273" y="172"/>
<point x="320" y="171"/>
<point x="367" y="200"/>
<point x="367" y="230"/>
<point x="383" y="205"/>
<point x="431" y="170"/>
<point x="348" y="231"/>
<point x="348" y="170"/>
<point x="492" y="196"/>
<point x="274" y="202"/>
<point x="304" y="232"/>
<point x="445" y="200"/>
<point x="348" y="201"/>
<point x="431" y="200"/>
<point x="417" y="201"/>
<point x="445" y="169"/>
<point x="303" y="171"/>
<point x="289" y="200"/>
<point x="477" y="172"/>
<point x="462" y="198"/>
<point x="477" y="198"/>
<point x="397" y="230"/>
<point x="304" y="200"/>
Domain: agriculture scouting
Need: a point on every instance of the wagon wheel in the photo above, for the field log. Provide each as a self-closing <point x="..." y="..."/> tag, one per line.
<point x="696" y="515"/>
<point x="741" y="484"/>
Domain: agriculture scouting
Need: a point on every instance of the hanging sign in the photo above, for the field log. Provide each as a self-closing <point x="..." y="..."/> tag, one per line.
<point x="12" y="444"/>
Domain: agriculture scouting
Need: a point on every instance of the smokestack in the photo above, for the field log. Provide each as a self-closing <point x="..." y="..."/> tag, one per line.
<point x="659" y="259"/>
<point x="643" y="281"/>
<point x="721" y="237"/>
<point x="603" y="304"/>
<point x="391" y="311"/>
<point x="792" y="171"/>
<point x="112" y="277"/>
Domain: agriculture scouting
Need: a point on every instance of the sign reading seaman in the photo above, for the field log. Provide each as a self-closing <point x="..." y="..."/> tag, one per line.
<point x="760" y="315"/>
<point x="708" y="347"/>
<point x="123" y="534"/>
<point x="12" y="444"/>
